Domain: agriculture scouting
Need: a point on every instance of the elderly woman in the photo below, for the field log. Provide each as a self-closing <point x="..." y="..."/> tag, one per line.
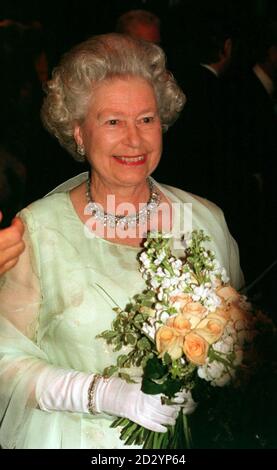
<point x="107" y="102"/>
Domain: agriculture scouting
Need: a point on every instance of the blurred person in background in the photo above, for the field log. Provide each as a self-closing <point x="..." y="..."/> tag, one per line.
<point x="140" y="24"/>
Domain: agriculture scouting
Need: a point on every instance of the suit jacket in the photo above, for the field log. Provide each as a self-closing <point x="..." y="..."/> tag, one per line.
<point x="254" y="150"/>
<point x="193" y="157"/>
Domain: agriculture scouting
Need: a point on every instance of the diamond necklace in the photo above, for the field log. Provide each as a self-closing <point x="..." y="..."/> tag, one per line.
<point x="123" y="221"/>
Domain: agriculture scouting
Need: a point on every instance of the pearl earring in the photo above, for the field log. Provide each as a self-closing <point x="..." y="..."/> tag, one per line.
<point x="81" y="149"/>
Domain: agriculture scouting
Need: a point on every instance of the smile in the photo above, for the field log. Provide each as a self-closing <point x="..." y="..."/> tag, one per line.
<point x="138" y="160"/>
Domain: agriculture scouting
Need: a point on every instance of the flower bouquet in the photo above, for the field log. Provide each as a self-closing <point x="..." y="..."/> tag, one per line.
<point x="189" y="333"/>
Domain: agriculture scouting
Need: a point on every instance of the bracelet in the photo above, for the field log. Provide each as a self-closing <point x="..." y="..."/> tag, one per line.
<point x="91" y="394"/>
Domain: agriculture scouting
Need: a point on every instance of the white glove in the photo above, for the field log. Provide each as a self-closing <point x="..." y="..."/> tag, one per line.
<point x="119" y="398"/>
<point x="63" y="390"/>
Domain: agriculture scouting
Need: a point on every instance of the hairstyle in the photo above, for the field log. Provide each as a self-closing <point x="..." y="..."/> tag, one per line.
<point x="97" y="59"/>
<point x="131" y="18"/>
<point x="208" y="39"/>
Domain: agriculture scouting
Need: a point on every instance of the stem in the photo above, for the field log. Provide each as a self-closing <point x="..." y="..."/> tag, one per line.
<point x="188" y="439"/>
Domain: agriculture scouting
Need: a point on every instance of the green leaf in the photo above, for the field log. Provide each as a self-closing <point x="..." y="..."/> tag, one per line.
<point x="168" y="387"/>
<point x="167" y="359"/>
<point x="172" y="386"/>
<point x="151" y="388"/>
<point x="143" y="344"/>
<point x="121" y="360"/>
<point x="109" y="371"/>
<point x="154" y="369"/>
<point x="131" y="339"/>
<point x="126" y="377"/>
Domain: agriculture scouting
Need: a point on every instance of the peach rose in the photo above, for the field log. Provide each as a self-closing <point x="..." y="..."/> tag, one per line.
<point x="237" y="313"/>
<point x="180" y="323"/>
<point x="193" y="312"/>
<point x="195" y="348"/>
<point x="228" y="293"/>
<point x="180" y="300"/>
<point x="212" y="326"/>
<point x="170" y="341"/>
<point x="211" y="330"/>
<point x="222" y="312"/>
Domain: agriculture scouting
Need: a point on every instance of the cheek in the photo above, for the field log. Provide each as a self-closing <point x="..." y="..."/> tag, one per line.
<point x="155" y="137"/>
<point x="158" y="141"/>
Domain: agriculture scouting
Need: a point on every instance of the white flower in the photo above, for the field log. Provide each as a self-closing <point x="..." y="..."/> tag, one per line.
<point x="149" y="330"/>
<point x="154" y="283"/>
<point x="202" y="373"/>
<point x="176" y="264"/>
<point x="163" y="316"/>
<point x="221" y="381"/>
<point x="160" y="295"/>
<point x="160" y="272"/>
<point x="225" y="346"/>
<point x="215" y="369"/>
<point x="145" y="260"/>
<point x="166" y="283"/>
<point x="212" y="301"/>
<point x="199" y="293"/>
<point x="159" y="306"/>
<point x="161" y="256"/>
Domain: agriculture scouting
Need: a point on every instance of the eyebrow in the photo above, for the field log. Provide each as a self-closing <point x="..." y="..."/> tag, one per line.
<point x="113" y="112"/>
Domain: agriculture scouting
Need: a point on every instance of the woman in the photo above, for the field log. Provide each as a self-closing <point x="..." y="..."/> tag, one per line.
<point x="107" y="102"/>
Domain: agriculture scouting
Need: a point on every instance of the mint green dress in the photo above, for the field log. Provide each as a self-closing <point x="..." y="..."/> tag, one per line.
<point x="55" y="301"/>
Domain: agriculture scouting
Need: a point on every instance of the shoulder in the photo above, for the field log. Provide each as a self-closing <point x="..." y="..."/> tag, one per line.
<point x="44" y="211"/>
<point x="199" y="204"/>
<point x="49" y="209"/>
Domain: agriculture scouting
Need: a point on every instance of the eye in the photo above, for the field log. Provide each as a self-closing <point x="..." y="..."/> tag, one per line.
<point x="113" y="122"/>
<point x="147" y="120"/>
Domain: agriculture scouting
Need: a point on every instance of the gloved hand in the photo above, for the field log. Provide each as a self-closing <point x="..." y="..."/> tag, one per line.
<point x="119" y="398"/>
<point x="65" y="390"/>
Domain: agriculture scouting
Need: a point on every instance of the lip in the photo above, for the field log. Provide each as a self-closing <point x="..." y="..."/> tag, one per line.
<point x="131" y="162"/>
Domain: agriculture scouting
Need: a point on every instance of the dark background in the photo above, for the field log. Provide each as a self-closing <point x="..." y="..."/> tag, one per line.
<point x="70" y="22"/>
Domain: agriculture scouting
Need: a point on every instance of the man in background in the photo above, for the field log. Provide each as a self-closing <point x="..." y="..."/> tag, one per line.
<point x="140" y="24"/>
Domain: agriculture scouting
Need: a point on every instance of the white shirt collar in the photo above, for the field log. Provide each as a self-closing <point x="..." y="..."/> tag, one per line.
<point x="264" y="79"/>
<point x="211" y="69"/>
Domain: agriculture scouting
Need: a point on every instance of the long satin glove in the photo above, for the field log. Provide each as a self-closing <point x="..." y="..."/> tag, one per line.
<point x="119" y="398"/>
<point x="63" y="390"/>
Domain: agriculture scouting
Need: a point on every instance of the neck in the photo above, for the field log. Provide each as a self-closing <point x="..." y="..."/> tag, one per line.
<point x="107" y="194"/>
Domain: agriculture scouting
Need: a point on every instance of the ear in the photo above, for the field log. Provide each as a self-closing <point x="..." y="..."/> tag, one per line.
<point x="227" y="48"/>
<point x="78" y="134"/>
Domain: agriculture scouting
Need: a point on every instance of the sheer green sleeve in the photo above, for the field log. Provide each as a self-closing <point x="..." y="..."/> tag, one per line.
<point x="21" y="359"/>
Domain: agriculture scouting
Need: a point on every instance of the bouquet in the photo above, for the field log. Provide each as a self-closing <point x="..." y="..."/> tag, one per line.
<point x="190" y="333"/>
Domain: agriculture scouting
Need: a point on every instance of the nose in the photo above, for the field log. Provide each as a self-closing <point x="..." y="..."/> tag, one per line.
<point x="133" y="138"/>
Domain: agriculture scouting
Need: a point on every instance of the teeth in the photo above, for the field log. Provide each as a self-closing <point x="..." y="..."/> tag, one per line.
<point x="130" y="159"/>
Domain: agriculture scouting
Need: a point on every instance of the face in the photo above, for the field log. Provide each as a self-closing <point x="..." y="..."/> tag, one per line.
<point x="149" y="33"/>
<point x="122" y="132"/>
